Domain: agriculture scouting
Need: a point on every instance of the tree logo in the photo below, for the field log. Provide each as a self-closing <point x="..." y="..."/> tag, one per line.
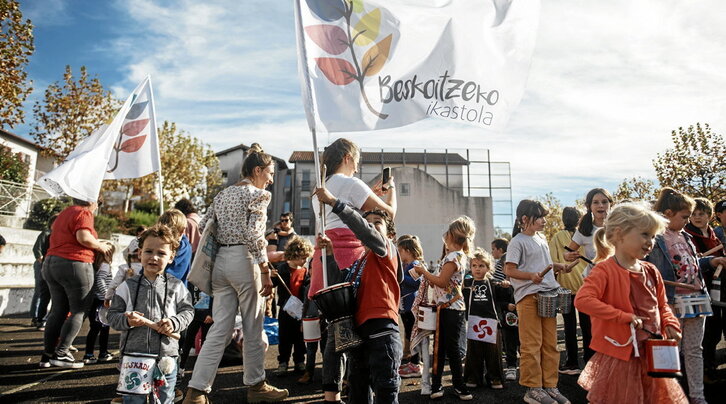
<point x="355" y="38"/>
<point x="130" y="131"/>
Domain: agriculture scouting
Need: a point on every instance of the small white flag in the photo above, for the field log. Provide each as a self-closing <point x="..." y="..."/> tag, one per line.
<point x="481" y="329"/>
<point x="128" y="147"/>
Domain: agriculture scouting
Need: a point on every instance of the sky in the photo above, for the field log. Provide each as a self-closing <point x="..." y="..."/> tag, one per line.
<point x="608" y="83"/>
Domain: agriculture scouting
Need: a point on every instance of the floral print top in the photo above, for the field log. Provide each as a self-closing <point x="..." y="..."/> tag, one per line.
<point x="453" y="289"/>
<point x="241" y="212"/>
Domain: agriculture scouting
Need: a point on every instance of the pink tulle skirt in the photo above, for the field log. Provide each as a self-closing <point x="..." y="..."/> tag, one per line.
<point x="611" y="380"/>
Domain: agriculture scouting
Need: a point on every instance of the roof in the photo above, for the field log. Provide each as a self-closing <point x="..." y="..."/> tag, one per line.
<point x="392" y="158"/>
<point x="19" y="139"/>
<point x="280" y="162"/>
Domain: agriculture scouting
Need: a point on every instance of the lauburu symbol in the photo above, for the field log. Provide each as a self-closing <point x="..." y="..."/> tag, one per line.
<point x="483" y="329"/>
<point x="335" y="41"/>
<point x="131" y="131"/>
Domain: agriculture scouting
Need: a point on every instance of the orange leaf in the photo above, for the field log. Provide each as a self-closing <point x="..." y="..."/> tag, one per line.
<point x="337" y="71"/>
<point x="133" y="145"/>
<point x="376" y="56"/>
<point x="133" y="128"/>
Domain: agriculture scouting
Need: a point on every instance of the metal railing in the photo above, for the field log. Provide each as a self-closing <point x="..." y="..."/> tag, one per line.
<point x="16" y="199"/>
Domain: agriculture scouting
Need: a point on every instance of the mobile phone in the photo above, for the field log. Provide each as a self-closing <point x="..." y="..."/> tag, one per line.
<point x="386" y="175"/>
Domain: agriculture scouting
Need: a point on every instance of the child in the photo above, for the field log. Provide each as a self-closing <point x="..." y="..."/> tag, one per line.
<point x="509" y="322"/>
<point x="102" y="265"/>
<point x="177" y="222"/>
<point x="293" y="274"/>
<point x="451" y="310"/>
<point x="527" y="256"/>
<point x="720" y="210"/>
<point x="481" y="304"/>
<point x="572" y="281"/>
<point x="202" y="321"/>
<point x="131" y="268"/>
<point x="139" y="299"/>
<point x="620" y="294"/>
<point x="411" y="253"/>
<point x="675" y="257"/>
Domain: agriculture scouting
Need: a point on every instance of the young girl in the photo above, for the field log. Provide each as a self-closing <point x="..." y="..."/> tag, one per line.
<point x="675" y="257"/>
<point x="102" y="279"/>
<point x="451" y="308"/>
<point x="622" y="293"/>
<point x="527" y="256"/>
<point x="411" y="253"/>
<point x="597" y="202"/>
<point x="131" y="268"/>
<point x="482" y="304"/>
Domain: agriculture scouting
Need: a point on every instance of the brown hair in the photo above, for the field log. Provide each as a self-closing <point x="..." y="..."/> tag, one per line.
<point x="670" y="199"/>
<point x="297" y="248"/>
<point x="410" y="243"/>
<point x="335" y="153"/>
<point x="530" y="209"/>
<point x="483" y="256"/>
<point x="462" y="231"/>
<point x="256" y="157"/>
<point x="162" y="232"/>
<point x="101" y="258"/>
<point x="175" y="219"/>
<point x="704" y="205"/>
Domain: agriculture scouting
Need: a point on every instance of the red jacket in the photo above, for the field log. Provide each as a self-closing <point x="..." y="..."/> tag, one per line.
<point x="605" y="297"/>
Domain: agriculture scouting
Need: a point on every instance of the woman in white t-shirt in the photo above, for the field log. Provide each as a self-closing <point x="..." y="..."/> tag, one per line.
<point x="341" y="160"/>
<point x="598" y="202"/>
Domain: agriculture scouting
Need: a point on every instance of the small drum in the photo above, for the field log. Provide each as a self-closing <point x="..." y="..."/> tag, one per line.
<point x="662" y="358"/>
<point x="551" y="302"/>
<point x="337" y="305"/>
<point x="137" y="373"/>
<point x="715" y="293"/>
<point x="311" y="329"/>
<point x="690" y="306"/>
<point x="564" y="300"/>
<point x="427" y="317"/>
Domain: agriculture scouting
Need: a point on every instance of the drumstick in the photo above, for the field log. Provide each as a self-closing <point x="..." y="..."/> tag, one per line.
<point x="681" y="285"/>
<point x="589" y="261"/>
<point x="155" y="327"/>
<point x="543" y="273"/>
<point x="718" y="271"/>
<point x="713" y="250"/>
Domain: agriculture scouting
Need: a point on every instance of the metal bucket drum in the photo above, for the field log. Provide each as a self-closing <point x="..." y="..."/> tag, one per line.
<point x="690" y="306"/>
<point x="715" y="293"/>
<point x="564" y="300"/>
<point x="137" y="373"/>
<point x="336" y="301"/>
<point x="311" y="329"/>
<point x="662" y="358"/>
<point x="547" y="303"/>
<point x="427" y="317"/>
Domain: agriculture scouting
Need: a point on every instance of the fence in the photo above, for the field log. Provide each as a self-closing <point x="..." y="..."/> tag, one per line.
<point x="16" y="199"/>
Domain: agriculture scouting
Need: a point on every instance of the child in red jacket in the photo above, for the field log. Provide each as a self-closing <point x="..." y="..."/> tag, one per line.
<point x="624" y="293"/>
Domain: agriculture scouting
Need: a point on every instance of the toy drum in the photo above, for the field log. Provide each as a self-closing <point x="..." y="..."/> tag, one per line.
<point x="427" y="317"/>
<point x="547" y="304"/>
<point x="311" y="329"/>
<point x="662" y="358"/>
<point x="137" y="371"/>
<point x="336" y="301"/>
<point x="564" y="300"/>
<point x="690" y="306"/>
<point x="715" y="293"/>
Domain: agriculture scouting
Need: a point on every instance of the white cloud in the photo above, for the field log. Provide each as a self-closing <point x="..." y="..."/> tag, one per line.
<point x="47" y="13"/>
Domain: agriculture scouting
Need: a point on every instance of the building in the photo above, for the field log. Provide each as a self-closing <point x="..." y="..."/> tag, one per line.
<point x="230" y="163"/>
<point x="433" y="188"/>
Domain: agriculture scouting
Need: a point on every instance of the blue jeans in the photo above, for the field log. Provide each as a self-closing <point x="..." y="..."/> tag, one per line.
<point x="374" y="369"/>
<point x="166" y="393"/>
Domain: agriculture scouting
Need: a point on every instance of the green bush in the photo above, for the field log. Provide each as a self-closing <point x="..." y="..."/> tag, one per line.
<point x="138" y="218"/>
<point x="147" y="206"/>
<point x="43" y="210"/>
<point x="105" y="225"/>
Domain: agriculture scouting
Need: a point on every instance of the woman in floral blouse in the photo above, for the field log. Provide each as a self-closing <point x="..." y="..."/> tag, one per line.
<point x="240" y="278"/>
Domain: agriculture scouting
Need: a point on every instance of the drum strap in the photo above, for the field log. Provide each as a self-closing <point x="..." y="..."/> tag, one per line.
<point x="631" y="340"/>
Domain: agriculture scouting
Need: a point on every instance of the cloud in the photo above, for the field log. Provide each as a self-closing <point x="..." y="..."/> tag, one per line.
<point x="47" y="13"/>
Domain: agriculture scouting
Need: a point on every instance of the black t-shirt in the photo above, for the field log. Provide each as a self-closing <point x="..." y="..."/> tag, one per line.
<point x="479" y="298"/>
<point x="281" y="241"/>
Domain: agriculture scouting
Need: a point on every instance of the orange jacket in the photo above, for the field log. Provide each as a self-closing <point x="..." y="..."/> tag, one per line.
<point x="605" y="296"/>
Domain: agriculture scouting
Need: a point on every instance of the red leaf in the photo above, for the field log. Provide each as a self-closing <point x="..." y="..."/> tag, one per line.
<point x="329" y="38"/>
<point x="337" y="71"/>
<point x="133" y="145"/>
<point x="133" y="128"/>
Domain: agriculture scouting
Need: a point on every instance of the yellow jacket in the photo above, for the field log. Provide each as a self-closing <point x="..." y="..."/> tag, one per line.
<point x="572" y="280"/>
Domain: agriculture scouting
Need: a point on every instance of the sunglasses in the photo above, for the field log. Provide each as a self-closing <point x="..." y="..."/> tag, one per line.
<point x="284" y="220"/>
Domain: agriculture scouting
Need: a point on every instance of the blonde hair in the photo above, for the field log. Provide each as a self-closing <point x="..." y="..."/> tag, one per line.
<point x="175" y="220"/>
<point x="462" y="231"/>
<point x="603" y="249"/>
<point x="485" y="257"/>
<point x="297" y="248"/>
<point x="626" y="217"/>
<point x="411" y="244"/>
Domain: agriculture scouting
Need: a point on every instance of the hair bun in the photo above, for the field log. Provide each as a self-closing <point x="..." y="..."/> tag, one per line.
<point x="255" y="148"/>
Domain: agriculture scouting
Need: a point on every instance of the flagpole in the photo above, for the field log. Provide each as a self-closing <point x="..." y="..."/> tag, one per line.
<point x="320" y="181"/>
<point x="158" y="148"/>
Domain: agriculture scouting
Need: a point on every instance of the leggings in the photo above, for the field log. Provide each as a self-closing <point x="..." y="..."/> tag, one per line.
<point x="450" y="325"/>
<point x="97" y="330"/>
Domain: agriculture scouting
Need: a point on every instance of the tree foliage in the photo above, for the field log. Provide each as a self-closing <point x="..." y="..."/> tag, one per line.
<point x="16" y="47"/>
<point x="13" y="166"/>
<point x="636" y="189"/>
<point x="695" y="164"/>
<point x="70" y="112"/>
<point x="554" y="218"/>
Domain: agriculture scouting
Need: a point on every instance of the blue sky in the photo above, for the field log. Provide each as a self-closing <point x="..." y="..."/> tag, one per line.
<point x="608" y="82"/>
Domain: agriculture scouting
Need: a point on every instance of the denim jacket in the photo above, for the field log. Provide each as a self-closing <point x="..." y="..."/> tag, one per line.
<point x="662" y="260"/>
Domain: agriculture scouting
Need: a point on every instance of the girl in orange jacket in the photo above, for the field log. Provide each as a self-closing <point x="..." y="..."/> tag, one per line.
<point x="623" y="293"/>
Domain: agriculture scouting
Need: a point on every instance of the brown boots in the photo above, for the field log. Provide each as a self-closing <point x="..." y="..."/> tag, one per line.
<point x="263" y="392"/>
<point x="195" y="396"/>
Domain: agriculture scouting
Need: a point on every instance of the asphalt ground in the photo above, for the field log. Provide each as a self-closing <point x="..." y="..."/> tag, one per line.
<point x="21" y="381"/>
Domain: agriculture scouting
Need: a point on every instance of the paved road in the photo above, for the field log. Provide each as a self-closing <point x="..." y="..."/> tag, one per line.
<point x="22" y="381"/>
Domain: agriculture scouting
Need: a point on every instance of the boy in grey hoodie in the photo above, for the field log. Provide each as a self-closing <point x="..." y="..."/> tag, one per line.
<point x="152" y="295"/>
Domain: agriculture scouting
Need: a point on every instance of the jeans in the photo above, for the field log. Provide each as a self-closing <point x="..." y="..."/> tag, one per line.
<point x="41" y="295"/>
<point x="70" y="284"/>
<point x="450" y="326"/>
<point x="333" y="365"/>
<point x="374" y="369"/>
<point x="166" y="392"/>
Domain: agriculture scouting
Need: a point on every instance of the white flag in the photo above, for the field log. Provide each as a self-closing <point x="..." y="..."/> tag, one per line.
<point x="481" y="329"/>
<point x="375" y="64"/>
<point x="126" y="148"/>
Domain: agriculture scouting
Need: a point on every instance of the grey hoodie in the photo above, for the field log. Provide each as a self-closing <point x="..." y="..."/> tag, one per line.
<point x="178" y="309"/>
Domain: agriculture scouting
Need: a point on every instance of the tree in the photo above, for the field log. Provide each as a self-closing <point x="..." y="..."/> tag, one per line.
<point x="554" y="218"/>
<point x="16" y="47"/>
<point x="71" y="112"/>
<point x="695" y="164"/>
<point x="13" y="166"/>
<point x="636" y="189"/>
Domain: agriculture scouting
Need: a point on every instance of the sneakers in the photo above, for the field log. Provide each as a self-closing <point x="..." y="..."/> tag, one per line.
<point x="496" y="384"/>
<point x="306" y="378"/>
<point x="510" y="374"/>
<point x="44" y="361"/>
<point x="107" y="357"/>
<point x="264" y="392"/>
<point x="537" y="395"/>
<point x="89" y="359"/>
<point x="572" y="370"/>
<point x="195" y="396"/>
<point x="463" y="393"/>
<point x="556" y="395"/>
<point x="470" y="385"/>
<point x="409" y="370"/>
<point x="281" y="369"/>
<point x="437" y="392"/>
<point x="425" y="390"/>
<point x="72" y="349"/>
<point x="66" y="361"/>
<point x="300" y="367"/>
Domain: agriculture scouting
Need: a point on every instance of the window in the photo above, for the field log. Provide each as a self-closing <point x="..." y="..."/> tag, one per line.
<point x="405" y="189"/>
<point x="305" y="203"/>
<point x="286" y="206"/>
<point x="287" y="180"/>
<point x="305" y="180"/>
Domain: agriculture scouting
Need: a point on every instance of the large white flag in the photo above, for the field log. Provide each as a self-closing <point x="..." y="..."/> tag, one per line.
<point x="375" y="64"/>
<point x="128" y="147"/>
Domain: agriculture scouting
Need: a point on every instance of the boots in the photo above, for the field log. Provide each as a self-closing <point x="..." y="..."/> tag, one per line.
<point x="264" y="392"/>
<point x="195" y="396"/>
